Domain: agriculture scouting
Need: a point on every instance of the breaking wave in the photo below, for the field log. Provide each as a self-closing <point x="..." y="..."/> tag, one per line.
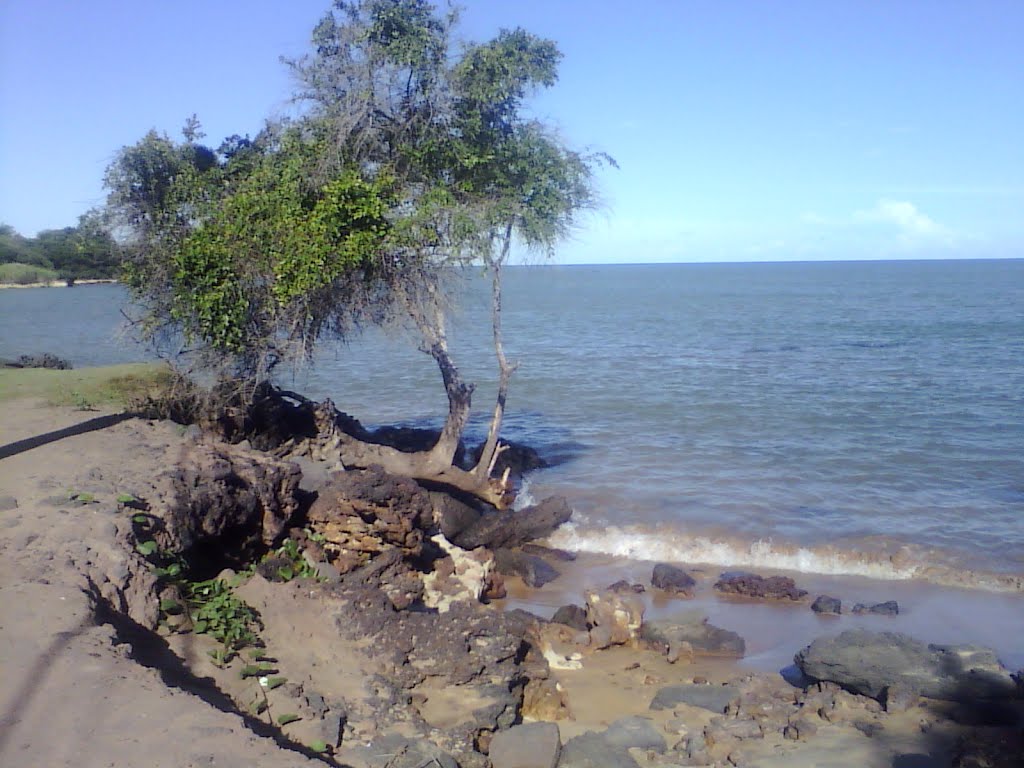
<point x="884" y="560"/>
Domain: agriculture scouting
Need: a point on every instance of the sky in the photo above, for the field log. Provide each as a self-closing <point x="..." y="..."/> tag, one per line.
<point x="744" y="131"/>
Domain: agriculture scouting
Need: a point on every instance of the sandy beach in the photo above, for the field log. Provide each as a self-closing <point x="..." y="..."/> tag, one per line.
<point x="89" y="684"/>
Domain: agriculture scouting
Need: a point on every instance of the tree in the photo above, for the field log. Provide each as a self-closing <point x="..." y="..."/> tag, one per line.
<point x="407" y="163"/>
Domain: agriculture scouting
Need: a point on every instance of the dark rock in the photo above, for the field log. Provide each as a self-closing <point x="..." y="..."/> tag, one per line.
<point x="572" y="616"/>
<point x="590" y="750"/>
<point x="37" y="361"/>
<point x="827" y="605"/>
<point x="534" y="571"/>
<point x="672" y="579"/>
<point x="888" y="608"/>
<point x="635" y="733"/>
<point x="759" y="587"/>
<point x="714" y="698"/>
<point x="529" y="745"/>
<point x="869" y="662"/>
<point x="706" y="639"/>
<point x="451" y="515"/>
<point x="551" y="553"/>
<point x="989" y="748"/>
<point x="229" y="500"/>
<point x="622" y="586"/>
<point x="513" y="529"/>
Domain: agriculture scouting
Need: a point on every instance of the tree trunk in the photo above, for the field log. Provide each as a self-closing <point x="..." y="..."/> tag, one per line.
<point x="492" y="449"/>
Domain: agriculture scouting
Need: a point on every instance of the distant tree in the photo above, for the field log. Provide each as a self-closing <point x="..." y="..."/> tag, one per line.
<point x="409" y="161"/>
<point x="17" y="249"/>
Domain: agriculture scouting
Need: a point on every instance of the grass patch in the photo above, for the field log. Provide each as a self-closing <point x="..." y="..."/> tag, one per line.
<point x="26" y="274"/>
<point x="86" y="388"/>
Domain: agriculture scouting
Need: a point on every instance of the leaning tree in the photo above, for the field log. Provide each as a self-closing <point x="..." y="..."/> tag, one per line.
<point x="411" y="158"/>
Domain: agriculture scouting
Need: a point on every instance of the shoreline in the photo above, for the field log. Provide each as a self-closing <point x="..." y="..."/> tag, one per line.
<point x="62" y="559"/>
<point x="61" y="283"/>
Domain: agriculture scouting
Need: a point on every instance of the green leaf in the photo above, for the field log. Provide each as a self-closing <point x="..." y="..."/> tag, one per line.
<point x="275" y="682"/>
<point x="291" y="717"/>
<point x="126" y="498"/>
<point x="146" y="548"/>
<point x="319" y="746"/>
<point x="173" y="607"/>
<point x="251" y="670"/>
<point x="200" y="627"/>
<point x="140" y="519"/>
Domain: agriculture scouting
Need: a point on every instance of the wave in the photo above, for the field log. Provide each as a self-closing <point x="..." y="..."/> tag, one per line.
<point x="889" y="561"/>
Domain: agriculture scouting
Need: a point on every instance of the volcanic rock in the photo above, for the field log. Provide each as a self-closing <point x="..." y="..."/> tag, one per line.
<point x="671" y="578"/>
<point x="888" y="608"/>
<point x="534" y="571"/>
<point x="706" y="639"/>
<point x="759" y="587"/>
<point x="824" y="604"/>
<point x="870" y="662"/>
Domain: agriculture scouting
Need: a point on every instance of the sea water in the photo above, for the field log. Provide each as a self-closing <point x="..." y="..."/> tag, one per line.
<point x="862" y="418"/>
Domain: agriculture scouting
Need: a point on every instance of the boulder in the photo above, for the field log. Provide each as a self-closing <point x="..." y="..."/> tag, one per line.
<point x="615" y="619"/>
<point x="452" y="516"/>
<point x="572" y="616"/>
<point x="671" y="578"/>
<point x="826" y="605"/>
<point x="361" y="513"/>
<point x="888" y="608"/>
<point x="530" y="745"/>
<point x="635" y="733"/>
<point x="706" y="639"/>
<point x="534" y="571"/>
<point x="758" y="587"/>
<point x="868" y="663"/>
<point x="513" y="529"/>
<point x="714" y="698"/>
<point x="590" y="750"/>
<point x="228" y="498"/>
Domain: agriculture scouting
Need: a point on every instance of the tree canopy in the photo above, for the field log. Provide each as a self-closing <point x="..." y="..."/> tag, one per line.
<point x="82" y="252"/>
<point x="411" y="156"/>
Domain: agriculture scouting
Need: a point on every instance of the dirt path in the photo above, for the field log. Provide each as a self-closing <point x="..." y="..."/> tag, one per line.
<point x="74" y="692"/>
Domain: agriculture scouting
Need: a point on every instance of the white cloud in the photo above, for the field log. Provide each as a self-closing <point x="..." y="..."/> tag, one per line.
<point x="911" y="222"/>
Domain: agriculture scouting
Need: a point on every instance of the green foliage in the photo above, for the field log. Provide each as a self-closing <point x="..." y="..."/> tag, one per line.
<point x="26" y="274"/>
<point x="299" y="567"/>
<point x="216" y="612"/>
<point x="289" y="717"/>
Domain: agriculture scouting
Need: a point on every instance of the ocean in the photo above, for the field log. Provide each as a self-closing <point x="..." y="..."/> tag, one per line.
<point x="858" y="418"/>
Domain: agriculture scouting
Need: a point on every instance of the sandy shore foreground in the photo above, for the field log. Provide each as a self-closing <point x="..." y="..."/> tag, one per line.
<point x="86" y="688"/>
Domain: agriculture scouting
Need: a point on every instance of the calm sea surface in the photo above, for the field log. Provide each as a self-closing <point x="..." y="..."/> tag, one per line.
<point x="863" y="418"/>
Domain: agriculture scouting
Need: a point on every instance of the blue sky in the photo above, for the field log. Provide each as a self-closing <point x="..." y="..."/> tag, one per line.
<point x="744" y="130"/>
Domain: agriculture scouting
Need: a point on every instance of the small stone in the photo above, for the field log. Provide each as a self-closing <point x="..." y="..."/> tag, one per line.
<point x="572" y="616"/>
<point x="530" y="745"/>
<point x="670" y="578"/>
<point x="888" y="608"/>
<point x="622" y="586"/>
<point x="635" y="733"/>
<point x="829" y="606"/>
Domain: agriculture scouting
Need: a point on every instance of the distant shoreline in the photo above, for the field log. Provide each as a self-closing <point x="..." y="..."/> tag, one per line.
<point x="59" y="283"/>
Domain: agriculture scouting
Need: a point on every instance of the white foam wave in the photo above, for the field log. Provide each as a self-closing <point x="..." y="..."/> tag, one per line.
<point x="638" y="543"/>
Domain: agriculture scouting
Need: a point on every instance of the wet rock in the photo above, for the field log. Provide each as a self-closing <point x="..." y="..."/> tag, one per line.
<point x="635" y="733"/>
<point x="758" y="587"/>
<point x="624" y="587"/>
<point x="671" y="578"/>
<point x="572" y="616"/>
<point x="824" y="604"/>
<point x="530" y="745"/>
<point x="615" y="619"/>
<point x="512" y="529"/>
<point x="590" y="750"/>
<point x="705" y="639"/>
<point x="228" y="498"/>
<point x="534" y="570"/>
<point x="549" y="553"/>
<point x="714" y="698"/>
<point x="869" y="662"/>
<point x="361" y="513"/>
<point x="888" y="608"/>
<point x="452" y="516"/>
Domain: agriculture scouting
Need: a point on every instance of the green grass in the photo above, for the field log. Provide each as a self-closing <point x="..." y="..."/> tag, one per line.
<point x="25" y="274"/>
<point x="108" y="386"/>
